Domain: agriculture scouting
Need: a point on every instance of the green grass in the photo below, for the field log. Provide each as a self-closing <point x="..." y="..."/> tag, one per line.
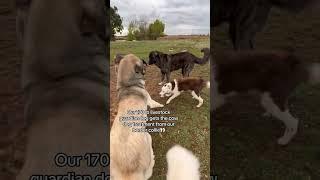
<point x="192" y="128"/>
<point x="245" y="142"/>
<point x="142" y="48"/>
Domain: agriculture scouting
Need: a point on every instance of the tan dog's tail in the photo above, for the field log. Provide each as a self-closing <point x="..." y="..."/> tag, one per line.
<point x="182" y="164"/>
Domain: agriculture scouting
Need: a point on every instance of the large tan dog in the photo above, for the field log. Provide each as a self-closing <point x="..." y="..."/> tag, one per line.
<point x="131" y="152"/>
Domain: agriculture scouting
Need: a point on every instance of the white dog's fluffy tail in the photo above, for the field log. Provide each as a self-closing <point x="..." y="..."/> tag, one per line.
<point x="314" y="73"/>
<point x="182" y="164"/>
<point x="208" y="84"/>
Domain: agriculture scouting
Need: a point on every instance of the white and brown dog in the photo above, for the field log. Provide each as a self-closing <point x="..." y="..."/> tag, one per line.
<point x="175" y="87"/>
<point x="274" y="75"/>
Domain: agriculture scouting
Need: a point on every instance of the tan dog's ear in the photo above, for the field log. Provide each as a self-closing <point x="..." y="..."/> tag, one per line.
<point x="139" y="68"/>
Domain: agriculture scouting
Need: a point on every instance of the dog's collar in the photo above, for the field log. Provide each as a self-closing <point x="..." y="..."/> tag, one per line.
<point x="132" y="90"/>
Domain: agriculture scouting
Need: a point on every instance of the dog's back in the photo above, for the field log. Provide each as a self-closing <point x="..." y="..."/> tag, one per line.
<point x="129" y="155"/>
<point x="130" y="152"/>
<point x="191" y="83"/>
<point x="242" y="71"/>
<point x="180" y="59"/>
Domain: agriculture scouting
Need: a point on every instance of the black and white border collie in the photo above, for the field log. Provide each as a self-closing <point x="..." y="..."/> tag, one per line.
<point x="274" y="75"/>
<point x="175" y="87"/>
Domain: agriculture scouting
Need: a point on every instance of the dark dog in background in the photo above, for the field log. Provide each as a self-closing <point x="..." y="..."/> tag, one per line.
<point x="246" y="18"/>
<point x="117" y="59"/>
<point x="172" y="62"/>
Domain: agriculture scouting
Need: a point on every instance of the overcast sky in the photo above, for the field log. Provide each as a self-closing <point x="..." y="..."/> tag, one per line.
<point x="181" y="17"/>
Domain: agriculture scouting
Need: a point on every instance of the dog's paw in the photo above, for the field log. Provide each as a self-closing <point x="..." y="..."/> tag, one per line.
<point x="157" y="106"/>
<point x="167" y="102"/>
<point x="266" y="114"/>
<point x="288" y="135"/>
<point x="283" y="141"/>
<point x="160" y="83"/>
<point x="199" y="105"/>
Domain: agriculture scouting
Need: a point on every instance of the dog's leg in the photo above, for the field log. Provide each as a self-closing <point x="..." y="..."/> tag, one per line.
<point x="162" y="78"/>
<point x="183" y="71"/>
<point x="197" y="97"/>
<point x="200" y="102"/>
<point x="188" y="73"/>
<point x="168" y="77"/>
<point x="172" y="97"/>
<point x="152" y="103"/>
<point x="21" y="22"/>
<point x="266" y="114"/>
<point x="233" y="34"/>
<point x="116" y="68"/>
<point x="290" y="122"/>
<point x="194" y="96"/>
<point x="189" y="70"/>
<point x="218" y="99"/>
<point x="148" y="172"/>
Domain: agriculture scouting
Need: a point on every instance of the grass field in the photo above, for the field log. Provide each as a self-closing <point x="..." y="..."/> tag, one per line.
<point x="245" y="141"/>
<point x="192" y="128"/>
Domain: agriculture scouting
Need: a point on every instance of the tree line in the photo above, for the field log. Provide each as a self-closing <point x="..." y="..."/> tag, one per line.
<point x="138" y="29"/>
